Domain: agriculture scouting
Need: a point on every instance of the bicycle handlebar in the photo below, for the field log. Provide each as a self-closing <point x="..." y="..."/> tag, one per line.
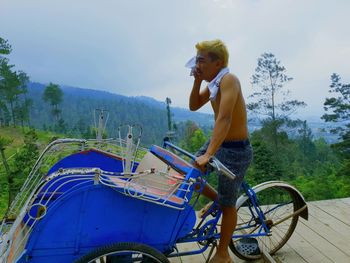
<point x="213" y="161"/>
<point x="184" y="152"/>
<point x="216" y="164"/>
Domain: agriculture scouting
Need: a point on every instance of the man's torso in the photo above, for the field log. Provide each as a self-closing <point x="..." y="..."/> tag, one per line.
<point x="238" y="128"/>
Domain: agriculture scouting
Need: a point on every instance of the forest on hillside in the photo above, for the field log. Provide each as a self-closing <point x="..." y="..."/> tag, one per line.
<point x="79" y="109"/>
<point x="284" y="148"/>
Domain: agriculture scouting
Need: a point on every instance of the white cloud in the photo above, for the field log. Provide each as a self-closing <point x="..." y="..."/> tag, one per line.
<point x="139" y="47"/>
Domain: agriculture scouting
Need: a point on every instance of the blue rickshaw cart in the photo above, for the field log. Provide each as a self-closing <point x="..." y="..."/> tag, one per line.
<point x="98" y="193"/>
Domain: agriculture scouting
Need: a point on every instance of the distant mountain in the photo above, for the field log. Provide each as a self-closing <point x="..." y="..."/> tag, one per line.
<point x="79" y="104"/>
<point x="180" y="114"/>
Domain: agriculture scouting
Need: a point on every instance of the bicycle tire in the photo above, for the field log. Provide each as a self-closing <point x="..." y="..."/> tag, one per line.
<point x="278" y="203"/>
<point x="123" y="252"/>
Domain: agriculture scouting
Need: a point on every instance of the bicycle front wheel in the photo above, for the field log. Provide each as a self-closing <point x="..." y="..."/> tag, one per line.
<point x="124" y="253"/>
<point x="279" y="207"/>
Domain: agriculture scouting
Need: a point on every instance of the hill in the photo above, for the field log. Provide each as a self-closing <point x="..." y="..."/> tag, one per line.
<point x="79" y="104"/>
<point x="180" y="114"/>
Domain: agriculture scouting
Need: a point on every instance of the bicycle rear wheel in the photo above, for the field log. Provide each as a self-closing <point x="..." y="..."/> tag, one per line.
<point x="279" y="206"/>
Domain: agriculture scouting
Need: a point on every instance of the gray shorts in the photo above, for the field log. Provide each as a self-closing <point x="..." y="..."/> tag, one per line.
<point x="236" y="156"/>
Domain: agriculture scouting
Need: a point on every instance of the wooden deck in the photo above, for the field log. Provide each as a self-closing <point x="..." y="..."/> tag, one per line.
<point x="325" y="237"/>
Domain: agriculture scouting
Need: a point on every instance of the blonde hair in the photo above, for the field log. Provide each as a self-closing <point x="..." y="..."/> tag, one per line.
<point x="216" y="50"/>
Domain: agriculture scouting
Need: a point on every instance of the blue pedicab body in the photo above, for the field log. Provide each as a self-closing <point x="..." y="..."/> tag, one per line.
<point x="69" y="218"/>
<point x="94" y="216"/>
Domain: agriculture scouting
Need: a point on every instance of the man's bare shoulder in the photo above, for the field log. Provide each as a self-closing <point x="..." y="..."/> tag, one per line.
<point x="230" y="80"/>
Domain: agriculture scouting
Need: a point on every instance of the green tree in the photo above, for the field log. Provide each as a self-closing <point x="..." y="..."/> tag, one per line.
<point x="270" y="98"/>
<point x="5" y="47"/>
<point x="168" y="102"/>
<point x="338" y="107"/>
<point x="4" y="142"/>
<point x="11" y="87"/>
<point x="338" y="111"/>
<point x="306" y="146"/>
<point x="22" y="111"/>
<point x="80" y="127"/>
<point x="197" y="140"/>
<point x="53" y="95"/>
<point x="4" y="114"/>
<point x="264" y="166"/>
<point x="23" y="104"/>
<point x="23" y="163"/>
<point x="193" y="138"/>
<point x="90" y="133"/>
<point x="61" y="126"/>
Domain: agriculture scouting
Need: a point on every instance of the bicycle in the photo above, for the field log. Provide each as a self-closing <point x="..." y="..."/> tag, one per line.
<point x="273" y="206"/>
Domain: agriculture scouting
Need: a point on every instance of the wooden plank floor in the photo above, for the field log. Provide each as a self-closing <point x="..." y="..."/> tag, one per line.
<point x="325" y="237"/>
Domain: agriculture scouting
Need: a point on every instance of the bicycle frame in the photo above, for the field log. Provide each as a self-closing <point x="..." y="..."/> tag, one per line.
<point x="206" y="233"/>
<point x="199" y="233"/>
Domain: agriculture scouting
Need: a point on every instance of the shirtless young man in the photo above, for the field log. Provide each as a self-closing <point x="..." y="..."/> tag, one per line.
<point x="229" y="142"/>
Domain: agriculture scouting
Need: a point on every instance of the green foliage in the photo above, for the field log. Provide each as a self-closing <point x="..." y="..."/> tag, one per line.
<point x="193" y="138"/>
<point x="168" y="102"/>
<point x="338" y="106"/>
<point x="5" y="47"/>
<point x="21" y="151"/>
<point x="61" y="126"/>
<point x="54" y="96"/>
<point x="197" y="140"/>
<point x="310" y="165"/>
<point x="13" y="87"/>
<point x="338" y="111"/>
<point x="22" y="111"/>
<point x="322" y="187"/>
<point x="264" y="167"/>
<point x="77" y="112"/>
<point x="4" y="142"/>
<point x="23" y="162"/>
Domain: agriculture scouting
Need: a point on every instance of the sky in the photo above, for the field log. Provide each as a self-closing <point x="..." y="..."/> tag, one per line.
<point x="139" y="48"/>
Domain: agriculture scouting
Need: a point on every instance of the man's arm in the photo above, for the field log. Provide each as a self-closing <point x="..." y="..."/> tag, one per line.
<point x="198" y="98"/>
<point x="229" y="90"/>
